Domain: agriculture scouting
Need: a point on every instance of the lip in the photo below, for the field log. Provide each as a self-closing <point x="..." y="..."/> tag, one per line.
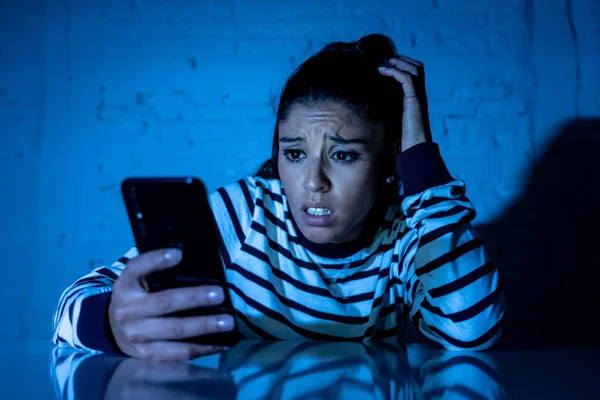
<point x="317" y="220"/>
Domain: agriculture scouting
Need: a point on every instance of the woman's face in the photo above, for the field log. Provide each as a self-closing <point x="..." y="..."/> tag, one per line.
<point x="328" y="165"/>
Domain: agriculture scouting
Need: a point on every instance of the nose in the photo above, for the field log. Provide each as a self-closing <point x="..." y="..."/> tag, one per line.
<point x="316" y="179"/>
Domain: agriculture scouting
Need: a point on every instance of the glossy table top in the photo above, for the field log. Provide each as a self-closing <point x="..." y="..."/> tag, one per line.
<point x="304" y="370"/>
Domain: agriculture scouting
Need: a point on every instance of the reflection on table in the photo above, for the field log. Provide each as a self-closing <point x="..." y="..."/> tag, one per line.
<point x="282" y="370"/>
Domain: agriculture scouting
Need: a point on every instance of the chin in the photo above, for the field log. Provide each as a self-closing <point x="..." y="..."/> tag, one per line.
<point x="318" y="235"/>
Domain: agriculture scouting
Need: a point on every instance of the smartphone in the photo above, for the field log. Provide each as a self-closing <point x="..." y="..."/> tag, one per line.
<point x="175" y="212"/>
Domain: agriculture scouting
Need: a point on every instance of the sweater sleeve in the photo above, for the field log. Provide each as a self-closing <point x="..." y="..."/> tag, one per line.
<point x="80" y="319"/>
<point x="450" y="285"/>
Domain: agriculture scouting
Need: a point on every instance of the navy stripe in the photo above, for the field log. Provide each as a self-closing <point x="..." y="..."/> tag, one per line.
<point x="303" y="286"/>
<point x="387" y="310"/>
<point x="226" y="258"/>
<point x="415" y="287"/>
<point x="354" y="277"/>
<point x="463" y="282"/>
<point x="383" y="248"/>
<point x="123" y="260"/>
<point x="395" y="281"/>
<point x="257" y="331"/>
<point x="359" y="275"/>
<point x="71" y="311"/>
<point x="416" y="318"/>
<point x="232" y="215"/>
<point x="280" y="318"/>
<point x="412" y="244"/>
<point x="467" y="313"/>
<point x="350" y="320"/>
<point x="432" y="202"/>
<point x="247" y="196"/>
<point x="282" y="250"/>
<point x="386" y="334"/>
<point x="223" y="250"/>
<point x="76" y="290"/>
<point x="108" y="273"/>
<point x="89" y="279"/>
<point x="439" y="232"/>
<point x="450" y="256"/>
<point x="444" y="214"/>
<point x="276" y="197"/>
<point x="269" y="216"/>
<point x="63" y="301"/>
<point x="378" y="301"/>
<point x="486" y="337"/>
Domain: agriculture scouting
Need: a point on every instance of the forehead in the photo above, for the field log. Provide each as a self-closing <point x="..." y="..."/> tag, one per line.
<point x="328" y="116"/>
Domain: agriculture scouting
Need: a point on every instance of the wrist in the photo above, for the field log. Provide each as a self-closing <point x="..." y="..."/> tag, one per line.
<point x="402" y="145"/>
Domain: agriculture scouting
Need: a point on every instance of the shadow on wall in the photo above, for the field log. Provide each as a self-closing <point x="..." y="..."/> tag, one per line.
<point x="548" y="243"/>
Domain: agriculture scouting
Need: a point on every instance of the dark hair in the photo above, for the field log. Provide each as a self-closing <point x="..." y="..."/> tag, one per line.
<point x="346" y="73"/>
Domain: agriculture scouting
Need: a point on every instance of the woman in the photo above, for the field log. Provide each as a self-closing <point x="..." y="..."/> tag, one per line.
<point x="352" y="224"/>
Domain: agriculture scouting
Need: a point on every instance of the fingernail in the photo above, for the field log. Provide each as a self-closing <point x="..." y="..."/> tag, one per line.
<point x="382" y="68"/>
<point x="173" y="254"/>
<point x="223" y="323"/>
<point x="215" y="295"/>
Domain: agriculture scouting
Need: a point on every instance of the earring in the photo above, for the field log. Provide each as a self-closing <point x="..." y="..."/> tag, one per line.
<point x="390" y="179"/>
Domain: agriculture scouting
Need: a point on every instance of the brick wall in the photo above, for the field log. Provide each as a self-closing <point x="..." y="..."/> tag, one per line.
<point x="94" y="91"/>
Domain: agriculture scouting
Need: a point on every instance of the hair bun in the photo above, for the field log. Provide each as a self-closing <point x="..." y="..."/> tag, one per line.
<point x="376" y="47"/>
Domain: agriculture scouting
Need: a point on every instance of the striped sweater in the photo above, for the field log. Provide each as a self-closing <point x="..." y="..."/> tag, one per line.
<point x="424" y="260"/>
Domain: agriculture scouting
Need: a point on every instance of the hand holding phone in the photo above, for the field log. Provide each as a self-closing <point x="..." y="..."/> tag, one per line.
<point x="140" y="320"/>
<point x="178" y="295"/>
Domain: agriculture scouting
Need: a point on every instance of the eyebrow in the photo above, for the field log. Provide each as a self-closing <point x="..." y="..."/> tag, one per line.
<point x="335" y="139"/>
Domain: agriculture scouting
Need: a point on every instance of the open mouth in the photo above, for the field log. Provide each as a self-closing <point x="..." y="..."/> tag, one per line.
<point x="317" y="216"/>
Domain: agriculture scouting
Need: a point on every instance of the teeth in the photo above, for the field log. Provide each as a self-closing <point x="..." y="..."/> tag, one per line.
<point x="318" y="211"/>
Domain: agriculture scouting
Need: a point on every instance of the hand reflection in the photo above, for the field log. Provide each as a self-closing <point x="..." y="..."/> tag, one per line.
<point x="284" y="370"/>
<point x="136" y="379"/>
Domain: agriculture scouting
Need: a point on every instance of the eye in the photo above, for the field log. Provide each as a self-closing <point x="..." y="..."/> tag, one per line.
<point x="293" y="155"/>
<point x="345" y="156"/>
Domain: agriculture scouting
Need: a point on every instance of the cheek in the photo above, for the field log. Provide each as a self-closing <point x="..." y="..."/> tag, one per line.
<point x="283" y="172"/>
<point x="359" y="190"/>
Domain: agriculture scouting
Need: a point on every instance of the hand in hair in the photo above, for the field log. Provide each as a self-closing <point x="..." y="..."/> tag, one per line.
<point x="415" y="121"/>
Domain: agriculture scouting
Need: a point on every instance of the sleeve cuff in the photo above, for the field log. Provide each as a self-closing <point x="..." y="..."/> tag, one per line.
<point x="93" y="327"/>
<point x="421" y="167"/>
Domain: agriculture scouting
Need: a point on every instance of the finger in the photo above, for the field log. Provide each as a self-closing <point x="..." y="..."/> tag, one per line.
<point x="174" y="351"/>
<point x="405" y="79"/>
<point x="153" y="261"/>
<point x="179" y="299"/>
<point x="404" y="65"/>
<point x="171" y="328"/>
<point x="411" y="60"/>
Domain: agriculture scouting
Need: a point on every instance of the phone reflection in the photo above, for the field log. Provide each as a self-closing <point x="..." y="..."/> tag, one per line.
<point x="265" y="370"/>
